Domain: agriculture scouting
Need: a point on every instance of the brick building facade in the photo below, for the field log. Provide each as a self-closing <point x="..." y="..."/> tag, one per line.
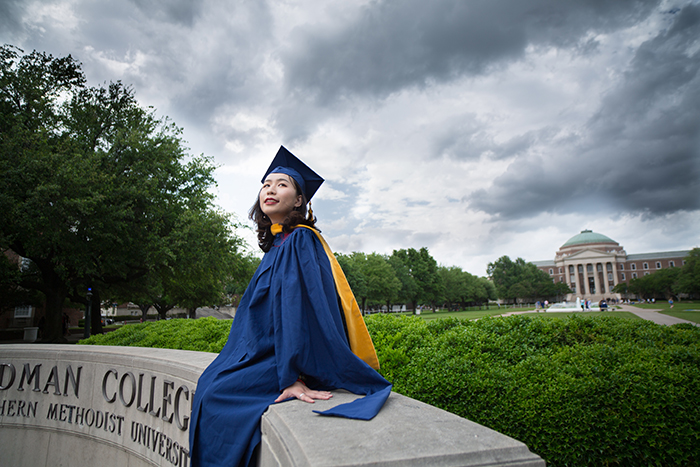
<point x="591" y="264"/>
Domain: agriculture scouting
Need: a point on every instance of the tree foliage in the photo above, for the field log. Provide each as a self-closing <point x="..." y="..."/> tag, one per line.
<point x="461" y="288"/>
<point x="371" y="278"/>
<point x="99" y="192"/>
<point x="522" y="280"/>
<point x="689" y="278"/>
<point x="418" y="272"/>
<point x="667" y="283"/>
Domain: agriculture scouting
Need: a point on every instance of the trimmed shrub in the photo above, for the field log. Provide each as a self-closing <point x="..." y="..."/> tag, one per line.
<point x="204" y="335"/>
<point x="577" y="391"/>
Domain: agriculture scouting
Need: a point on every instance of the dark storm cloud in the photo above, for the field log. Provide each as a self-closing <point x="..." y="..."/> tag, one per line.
<point x="178" y="11"/>
<point x="640" y="152"/>
<point x="10" y="14"/>
<point x="469" y="139"/>
<point x="200" y="55"/>
<point x="396" y="43"/>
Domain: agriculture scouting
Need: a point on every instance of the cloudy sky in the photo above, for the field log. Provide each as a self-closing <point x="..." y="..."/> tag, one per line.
<point x="475" y="128"/>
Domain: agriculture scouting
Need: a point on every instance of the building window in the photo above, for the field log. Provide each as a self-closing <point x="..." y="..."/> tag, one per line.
<point x="658" y="265"/>
<point x="634" y="275"/>
<point x="622" y="267"/>
<point x="551" y="271"/>
<point x="645" y="265"/>
<point x="671" y="264"/>
<point x="580" y="268"/>
<point x="646" y="273"/>
<point x="571" y="269"/>
<point x="573" y="278"/>
<point x="634" y="266"/>
<point x="683" y="262"/>
<point x="610" y="277"/>
<point x="573" y="288"/>
<point x="23" y="311"/>
<point x="599" y="267"/>
<point x="608" y="267"/>
<point x="589" y="268"/>
<point x="561" y="270"/>
<point x="623" y="276"/>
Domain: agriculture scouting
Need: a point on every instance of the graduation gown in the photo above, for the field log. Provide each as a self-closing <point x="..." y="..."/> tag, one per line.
<point x="289" y="323"/>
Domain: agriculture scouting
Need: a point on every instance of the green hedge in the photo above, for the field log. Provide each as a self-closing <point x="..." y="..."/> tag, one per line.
<point x="577" y="391"/>
<point x="204" y="335"/>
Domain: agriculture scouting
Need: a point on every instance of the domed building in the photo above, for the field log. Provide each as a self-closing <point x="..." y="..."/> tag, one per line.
<point x="592" y="264"/>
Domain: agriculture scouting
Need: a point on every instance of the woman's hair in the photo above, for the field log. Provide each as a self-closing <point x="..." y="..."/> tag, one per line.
<point x="296" y="217"/>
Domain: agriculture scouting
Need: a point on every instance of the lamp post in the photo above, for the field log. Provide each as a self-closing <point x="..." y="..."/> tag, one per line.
<point x="86" y="333"/>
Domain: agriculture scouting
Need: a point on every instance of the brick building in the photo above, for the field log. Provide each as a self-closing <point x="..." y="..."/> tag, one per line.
<point x="592" y="264"/>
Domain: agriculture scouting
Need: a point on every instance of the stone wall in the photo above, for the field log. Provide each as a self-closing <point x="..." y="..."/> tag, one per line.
<point x="130" y="406"/>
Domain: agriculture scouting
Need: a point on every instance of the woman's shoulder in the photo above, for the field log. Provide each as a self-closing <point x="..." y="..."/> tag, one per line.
<point x="304" y="230"/>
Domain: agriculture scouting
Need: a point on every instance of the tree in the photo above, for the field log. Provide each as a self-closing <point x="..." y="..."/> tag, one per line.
<point x="522" y="280"/>
<point x="504" y="274"/>
<point x="424" y="284"/>
<point x="371" y="278"/>
<point x="456" y="287"/>
<point x="94" y="186"/>
<point x="462" y="288"/>
<point x="205" y="258"/>
<point x="240" y="276"/>
<point x="689" y="278"/>
<point x="352" y="268"/>
<point x="409" y="285"/>
<point x="661" y="284"/>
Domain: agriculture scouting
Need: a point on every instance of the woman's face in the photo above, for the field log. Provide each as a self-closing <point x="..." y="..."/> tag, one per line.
<point x="278" y="197"/>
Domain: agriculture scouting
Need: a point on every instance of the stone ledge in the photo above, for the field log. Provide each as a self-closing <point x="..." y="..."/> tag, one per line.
<point x="405" y="433"/>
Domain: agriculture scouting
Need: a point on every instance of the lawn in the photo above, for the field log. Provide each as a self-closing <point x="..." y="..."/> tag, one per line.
<point x="615" y="314"/>
<point x="687" y="310"/>
<point x="476" y="314"/>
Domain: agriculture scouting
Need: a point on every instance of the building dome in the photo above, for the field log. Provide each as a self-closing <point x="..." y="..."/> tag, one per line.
<point x="587" y="237"/>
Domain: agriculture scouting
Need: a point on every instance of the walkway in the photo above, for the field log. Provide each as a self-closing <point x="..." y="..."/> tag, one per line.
<point x="650" y="315"/>
<point x="655" y="316"/>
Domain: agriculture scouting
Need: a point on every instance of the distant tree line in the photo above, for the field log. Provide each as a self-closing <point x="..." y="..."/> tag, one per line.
<point x="520" y="280"/>
<point x="667" y="283"/>
<point x="412" y="277"/>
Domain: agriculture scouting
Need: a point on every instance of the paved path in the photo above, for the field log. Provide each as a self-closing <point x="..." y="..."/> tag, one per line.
<point x="655" y="316"/>
<point x="651" y="315"/>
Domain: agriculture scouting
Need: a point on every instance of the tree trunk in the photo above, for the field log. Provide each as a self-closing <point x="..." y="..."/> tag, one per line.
<point x="162" y="310"/>
<point x="192" y="313"/>
<point x="54" y="316"/>
<point x="144" y="310"/>
<point x="95" y="314"/>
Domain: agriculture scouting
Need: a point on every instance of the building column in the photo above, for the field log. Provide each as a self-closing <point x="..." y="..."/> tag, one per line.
<point x="596" y="279"/>
<point x="615" y="272"/>
<point x="568" y="277"/>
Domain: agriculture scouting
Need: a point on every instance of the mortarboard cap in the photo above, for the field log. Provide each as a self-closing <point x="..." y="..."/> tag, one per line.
<point x="287" y="163"/>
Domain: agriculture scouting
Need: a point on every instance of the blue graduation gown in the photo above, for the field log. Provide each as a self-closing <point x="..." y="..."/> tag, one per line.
<point x="287" y="324"/>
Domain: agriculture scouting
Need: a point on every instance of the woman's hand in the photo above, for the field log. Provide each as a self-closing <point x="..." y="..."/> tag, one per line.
<point x="303" y="393"/>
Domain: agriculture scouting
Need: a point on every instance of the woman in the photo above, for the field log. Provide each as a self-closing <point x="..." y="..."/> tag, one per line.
<point x="297" y="331"/>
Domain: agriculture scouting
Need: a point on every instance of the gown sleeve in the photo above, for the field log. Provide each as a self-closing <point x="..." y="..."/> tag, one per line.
<point x="309" y="336"/>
